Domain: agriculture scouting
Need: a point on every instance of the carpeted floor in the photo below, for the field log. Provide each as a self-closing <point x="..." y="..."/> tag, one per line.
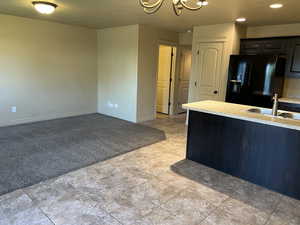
<point x="35" y="152"/>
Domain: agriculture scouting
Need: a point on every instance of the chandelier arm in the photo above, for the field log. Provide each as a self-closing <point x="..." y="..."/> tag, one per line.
<point x="154" y="5"/>
<point x="153" y="9"/>
<point x="176" y="10"/>
<point x="188" y="7"/>
<point x="178" y="6"/>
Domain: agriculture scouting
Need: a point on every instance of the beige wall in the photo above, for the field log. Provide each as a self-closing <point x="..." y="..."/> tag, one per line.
<point x="117" y="72"/>
<point x="186" y="38"/>
<point x="273" y="30"/>
<point x="47" y="70"/>
<point x="239" y="32"/>
<point x="149" y="40"/>
<point x="291" y="88"/>
<point x="292" y="85"/>
<point x="127" y="70"/>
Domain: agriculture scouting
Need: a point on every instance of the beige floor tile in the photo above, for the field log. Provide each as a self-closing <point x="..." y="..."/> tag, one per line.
<point x="245" y="212"/>
<point x="220" y="217"/>
<point x="279" y="218"/>
<point x="17" y="208"/>
<point x="160" y="216"/>
<point x="289" y="207"/>
<point x="189" y="204"/>
<point x="153" y="185"/>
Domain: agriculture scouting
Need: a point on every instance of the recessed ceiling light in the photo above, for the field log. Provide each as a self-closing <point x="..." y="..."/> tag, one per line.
<point x="44" y="7"/>
<point x="276" y="6"/>
<point x="205" y="3"/>
<point x="189" y="31"/>
<point x="202" y="3"/>
<point x="242" y="19"/>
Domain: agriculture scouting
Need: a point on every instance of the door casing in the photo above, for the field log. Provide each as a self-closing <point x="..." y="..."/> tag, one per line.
<point x="183" y="77"/>
<point x="172" y="83"/>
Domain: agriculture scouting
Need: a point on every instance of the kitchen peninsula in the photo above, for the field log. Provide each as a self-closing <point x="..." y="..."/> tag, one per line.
<point x="246" y="143"/>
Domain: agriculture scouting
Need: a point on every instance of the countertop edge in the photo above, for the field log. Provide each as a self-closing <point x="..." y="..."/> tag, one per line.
<point x="290" y="101"/>
<point x="261" y="121"/>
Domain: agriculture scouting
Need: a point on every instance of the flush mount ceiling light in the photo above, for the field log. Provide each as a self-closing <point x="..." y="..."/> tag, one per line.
<point x="276" y="6"/>
<point x="241" y="19"/>
<point x="178" y="5"/>
<point x="44" y="7"/>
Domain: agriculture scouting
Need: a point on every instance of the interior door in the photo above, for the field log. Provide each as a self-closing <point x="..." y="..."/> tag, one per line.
<point x="184" y="77"/>
<point x="209" y="67"/>
<point x="163" y="79"/>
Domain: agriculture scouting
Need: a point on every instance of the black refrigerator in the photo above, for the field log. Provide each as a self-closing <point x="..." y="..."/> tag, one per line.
<point x="254" y="79"/>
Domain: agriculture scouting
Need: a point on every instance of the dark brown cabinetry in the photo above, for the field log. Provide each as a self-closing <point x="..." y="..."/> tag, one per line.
<point x="289" y="107"/>
<point x="293" y="68"/>
<point x="288" y="46"/>
<point x="251" y="47"/>
<point x="262" y="154"/>
<point x="263" y="46"/>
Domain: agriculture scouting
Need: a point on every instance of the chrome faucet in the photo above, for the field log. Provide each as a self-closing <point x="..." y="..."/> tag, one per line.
<point x="275" y="105"/>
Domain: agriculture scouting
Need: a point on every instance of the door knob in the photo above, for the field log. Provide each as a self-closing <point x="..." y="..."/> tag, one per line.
<point x="216" y="92"/>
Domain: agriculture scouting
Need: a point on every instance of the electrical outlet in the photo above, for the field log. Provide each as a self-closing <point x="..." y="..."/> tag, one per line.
<point x="13" y="109"/>
<point x="110" y="105"/>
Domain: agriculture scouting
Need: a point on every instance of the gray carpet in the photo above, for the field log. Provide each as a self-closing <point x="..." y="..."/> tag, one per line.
<point x="35" y="152"/>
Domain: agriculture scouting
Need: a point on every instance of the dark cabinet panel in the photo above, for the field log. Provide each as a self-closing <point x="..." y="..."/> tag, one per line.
<point x="293" y="68"/>
<point x="289" y="107"/>
<point x="251" y="47"/>
<point x="251" y="51"/>
<point x="296" y="59"/>
<point x="276" y="46"/>
<point x="288" y="46"/>
<point x="253" y="44"/>
<point x="263" y="46"/>
<point x="262" y="154"/>
<point x="293" y="60"/>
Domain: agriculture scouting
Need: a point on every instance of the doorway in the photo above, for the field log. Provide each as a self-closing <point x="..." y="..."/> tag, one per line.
<point x="165" y="76"/>
<point x="184" y="73"/>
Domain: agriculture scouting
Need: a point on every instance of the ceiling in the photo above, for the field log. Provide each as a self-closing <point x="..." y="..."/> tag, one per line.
<point x="111" y="13"/>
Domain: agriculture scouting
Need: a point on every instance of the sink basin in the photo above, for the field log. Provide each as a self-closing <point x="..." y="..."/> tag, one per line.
<point x="281" y="114"/>
<point x="260" y="111"/>
<point x="287" y="115"/>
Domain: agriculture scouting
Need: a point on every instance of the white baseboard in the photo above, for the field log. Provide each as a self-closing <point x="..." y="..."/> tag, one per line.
<point x="116" y="116"/>
<point x="43" y="118"/>
<point x="146" y="117"/>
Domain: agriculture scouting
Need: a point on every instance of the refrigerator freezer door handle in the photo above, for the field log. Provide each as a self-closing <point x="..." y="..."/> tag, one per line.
<point x="235" y="81"/>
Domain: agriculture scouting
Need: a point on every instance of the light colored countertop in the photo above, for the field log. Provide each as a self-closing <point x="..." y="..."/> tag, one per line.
<point x="290" y="100"/>
<point x="237" y="111"/>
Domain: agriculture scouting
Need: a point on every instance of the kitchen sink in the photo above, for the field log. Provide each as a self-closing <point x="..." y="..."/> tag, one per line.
<point x="281" y="114"/>
<point x="294" y="116"/>
<point x="260" y="111"/>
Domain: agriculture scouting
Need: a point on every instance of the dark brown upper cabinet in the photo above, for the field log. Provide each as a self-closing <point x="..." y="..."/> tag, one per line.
<point x="263" y="46"/>
<point x="288" y="46"/>
<point x="293" y="60"/>
<point x="251" y="47"/>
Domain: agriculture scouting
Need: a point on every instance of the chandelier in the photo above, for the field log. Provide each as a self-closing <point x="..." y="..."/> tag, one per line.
<point x="178" y="6"/>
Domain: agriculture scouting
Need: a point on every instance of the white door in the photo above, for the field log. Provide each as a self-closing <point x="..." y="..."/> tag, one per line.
<point x="163" y="79"/>
<point x="184" y="77"/>
<point x="209" y="70"/>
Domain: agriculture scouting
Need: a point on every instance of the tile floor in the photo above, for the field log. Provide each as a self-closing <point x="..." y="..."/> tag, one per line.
<point x="153" y="185"/>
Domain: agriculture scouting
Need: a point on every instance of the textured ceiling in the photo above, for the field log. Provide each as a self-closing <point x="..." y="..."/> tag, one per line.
<point x="110" y="13"/>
